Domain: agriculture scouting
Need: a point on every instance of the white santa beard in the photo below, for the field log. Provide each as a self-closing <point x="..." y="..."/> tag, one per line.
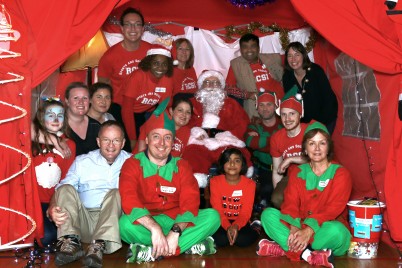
<point x="212" y="99"/>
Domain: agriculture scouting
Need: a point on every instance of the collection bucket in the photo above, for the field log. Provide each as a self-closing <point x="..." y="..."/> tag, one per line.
<point x="365" y="221"/>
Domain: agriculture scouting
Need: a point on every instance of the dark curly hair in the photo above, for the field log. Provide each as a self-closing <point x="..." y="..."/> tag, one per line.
<point x="146" y="64"/>
<point x="225" y="156"/>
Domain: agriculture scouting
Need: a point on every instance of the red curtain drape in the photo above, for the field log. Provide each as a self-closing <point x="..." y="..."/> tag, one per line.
<point x="362" y="29"/>
<point x="50" y="31"/>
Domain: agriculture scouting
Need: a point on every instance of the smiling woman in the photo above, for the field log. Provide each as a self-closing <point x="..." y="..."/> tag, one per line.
<point x="145" y="88"/>
<point x="307" y="225"/>
<point x="81" y="128"/>
<point x="100" y="100"/>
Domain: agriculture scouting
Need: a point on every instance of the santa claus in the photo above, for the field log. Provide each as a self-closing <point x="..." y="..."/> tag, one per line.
<point x="218" y="122"/>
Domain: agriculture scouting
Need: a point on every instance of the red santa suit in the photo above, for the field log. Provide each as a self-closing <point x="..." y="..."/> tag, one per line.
<point x="201" y="154"/>
<point x="117" y="64"/>
<point x="142" y="91"/>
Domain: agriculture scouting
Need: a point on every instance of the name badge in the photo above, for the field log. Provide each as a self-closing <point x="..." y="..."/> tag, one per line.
<point x="323" y="184"/>
<point x="237" y="193"/>
<point x="168" y="190"/>
<point x="160" y="89"/>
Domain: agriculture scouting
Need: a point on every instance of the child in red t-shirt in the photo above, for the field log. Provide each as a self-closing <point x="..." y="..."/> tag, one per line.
<point x="232" y="195"/>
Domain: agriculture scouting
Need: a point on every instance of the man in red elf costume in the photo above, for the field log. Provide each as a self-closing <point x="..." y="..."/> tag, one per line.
<point x="217" y="122"/>
<point x="160" y="199"/>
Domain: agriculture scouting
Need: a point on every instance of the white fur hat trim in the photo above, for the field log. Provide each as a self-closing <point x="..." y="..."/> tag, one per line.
<point x="159" y="51"/>
<point x="202" y="179"/>
<point x="210" y="120"/>
<point x="207" y="74"/>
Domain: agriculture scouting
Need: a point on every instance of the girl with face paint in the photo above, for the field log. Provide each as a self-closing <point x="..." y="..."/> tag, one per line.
<point x="48" y="128"/>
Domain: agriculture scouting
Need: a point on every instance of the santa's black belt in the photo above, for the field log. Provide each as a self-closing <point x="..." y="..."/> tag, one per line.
<point x="212" y="131"/>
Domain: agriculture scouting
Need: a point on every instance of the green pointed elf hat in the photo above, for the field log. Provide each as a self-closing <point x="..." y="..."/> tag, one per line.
<point x="292" y="100"/>
<point x="160" y="119"/>
<point x="316" y="125"/>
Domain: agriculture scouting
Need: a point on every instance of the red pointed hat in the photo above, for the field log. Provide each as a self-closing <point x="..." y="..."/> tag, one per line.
<point x="292" y="100"/>
<point x="160" y="119"/>
<point x="267" y="96"/>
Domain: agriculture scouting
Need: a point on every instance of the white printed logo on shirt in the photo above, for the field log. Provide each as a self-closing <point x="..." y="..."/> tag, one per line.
<point x="160" y="89"/>
<point x="237" y="193"/>
<point x="323" y="184"/>
<point x="168" y="190"/>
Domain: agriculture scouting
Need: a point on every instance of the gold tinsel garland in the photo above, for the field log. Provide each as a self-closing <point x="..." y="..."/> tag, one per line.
<point x="283" y="33"/>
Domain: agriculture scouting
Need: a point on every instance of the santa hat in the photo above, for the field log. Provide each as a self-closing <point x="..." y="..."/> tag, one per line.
<point x="208" y="73"/>
<point x="292" y="100"/>
<point x="159" y="50"/>
<point x="266" y="96"/>
<point x="174" y="53"/>
<point x="316" y="125"/>
<point x="160" y="119"/>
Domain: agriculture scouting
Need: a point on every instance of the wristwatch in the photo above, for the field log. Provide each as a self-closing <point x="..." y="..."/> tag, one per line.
<point x="176" y="229"/>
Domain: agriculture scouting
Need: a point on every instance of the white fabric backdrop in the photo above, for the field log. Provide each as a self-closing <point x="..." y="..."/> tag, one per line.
<point x="211" y="52"/>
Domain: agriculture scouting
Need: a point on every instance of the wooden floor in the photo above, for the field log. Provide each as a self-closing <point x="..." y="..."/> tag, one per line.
<point x="230" y="257"/>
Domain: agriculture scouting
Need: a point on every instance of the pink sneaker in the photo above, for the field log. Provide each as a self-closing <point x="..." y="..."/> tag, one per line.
<point x="321" y="257"/>
<point x="269" y="248"/>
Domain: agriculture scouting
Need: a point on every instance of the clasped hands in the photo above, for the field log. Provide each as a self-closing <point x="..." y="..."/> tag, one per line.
<point x="164" y="245"/>
<point x="299" y="238"/>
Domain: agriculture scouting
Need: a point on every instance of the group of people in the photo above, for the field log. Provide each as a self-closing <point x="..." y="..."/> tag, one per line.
<point x="125" y="158"/>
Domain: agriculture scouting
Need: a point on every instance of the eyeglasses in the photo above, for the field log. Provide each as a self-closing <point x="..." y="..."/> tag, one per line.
<point x="132" y="25"/>
<point x="211" y="83"/>
<point x="106" y="141"/>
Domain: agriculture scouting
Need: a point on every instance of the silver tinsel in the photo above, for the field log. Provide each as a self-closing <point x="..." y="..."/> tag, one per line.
<point x="151" y="29"/>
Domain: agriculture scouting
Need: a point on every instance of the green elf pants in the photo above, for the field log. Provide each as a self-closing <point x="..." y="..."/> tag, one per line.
<point x="205" y="224"/>
<point x="331" y="235"/>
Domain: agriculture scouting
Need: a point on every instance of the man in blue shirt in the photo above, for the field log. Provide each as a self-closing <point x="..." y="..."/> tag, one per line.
<point x="86" y="205"/>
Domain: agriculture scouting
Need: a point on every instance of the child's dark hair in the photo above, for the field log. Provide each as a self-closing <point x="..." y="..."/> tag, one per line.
<point x="39" y="128"/>
<point x="225" y="156"/>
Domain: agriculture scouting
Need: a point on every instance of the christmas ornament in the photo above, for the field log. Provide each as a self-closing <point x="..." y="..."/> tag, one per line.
<point x="250" y="3"/>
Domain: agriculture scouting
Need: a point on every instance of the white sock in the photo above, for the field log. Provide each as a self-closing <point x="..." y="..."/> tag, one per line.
<point x="306" y="253"/>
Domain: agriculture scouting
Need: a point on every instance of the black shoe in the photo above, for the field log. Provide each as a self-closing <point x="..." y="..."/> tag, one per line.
<point x="69" y="249"/>
<point x="94" y="255"/>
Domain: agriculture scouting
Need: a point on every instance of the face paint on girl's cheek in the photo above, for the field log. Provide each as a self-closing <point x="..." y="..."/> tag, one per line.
<point x="54" y="112"/>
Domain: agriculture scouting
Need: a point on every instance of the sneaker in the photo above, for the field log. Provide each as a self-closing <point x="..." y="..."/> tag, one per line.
<point x="206" y="247"/>
<point x="256" y="225"/>
<point x="94" y="254"/>
<point x="139" y="253"/>
<point x="269" y="248"/>
<point x="321" y="257"/>
<point x="69" y="249"/>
